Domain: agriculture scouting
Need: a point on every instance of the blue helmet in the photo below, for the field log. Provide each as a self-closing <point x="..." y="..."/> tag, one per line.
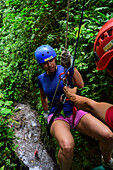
<point x="44" y="53"/>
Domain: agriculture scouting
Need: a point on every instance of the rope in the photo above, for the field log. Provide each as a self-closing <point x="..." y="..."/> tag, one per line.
<point x="67" y="23"/>
<point x="78" y="33"/>
<point x="68" y="5"/>
<point x="76" y="41"/>
<point x="66" y="45"/>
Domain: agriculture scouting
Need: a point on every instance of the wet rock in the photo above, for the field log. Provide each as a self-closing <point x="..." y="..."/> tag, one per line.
<point x="28" y="130"/>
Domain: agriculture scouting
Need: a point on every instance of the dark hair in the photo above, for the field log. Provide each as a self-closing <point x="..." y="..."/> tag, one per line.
<point x="110" y="65"/>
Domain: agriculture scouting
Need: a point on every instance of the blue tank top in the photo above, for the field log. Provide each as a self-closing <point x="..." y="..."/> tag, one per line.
<point x="49" y="84"/>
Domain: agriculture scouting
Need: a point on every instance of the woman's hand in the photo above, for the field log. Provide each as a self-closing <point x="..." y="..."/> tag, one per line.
<point x="70" y="93"/>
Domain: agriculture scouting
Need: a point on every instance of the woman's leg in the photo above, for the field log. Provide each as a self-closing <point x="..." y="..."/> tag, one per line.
<point x="91" y="126"/>
<point x="60" y="130"/>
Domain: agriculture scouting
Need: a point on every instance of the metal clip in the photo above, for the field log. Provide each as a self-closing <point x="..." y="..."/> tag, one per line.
<point x="63" y="98"/>
<point x="63" y="78"/>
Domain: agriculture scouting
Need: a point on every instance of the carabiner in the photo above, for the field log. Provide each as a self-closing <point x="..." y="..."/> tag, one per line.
<point x="63" y="98"/>
<point x="64" y="79"/>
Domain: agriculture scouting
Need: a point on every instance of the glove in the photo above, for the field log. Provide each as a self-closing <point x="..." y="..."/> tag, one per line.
<point x="66" y="58"/>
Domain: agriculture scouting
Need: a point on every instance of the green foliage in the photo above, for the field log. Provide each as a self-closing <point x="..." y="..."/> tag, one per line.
<point x="7" y="147"/>
<point x="25" y="25"/>
<point x="87" y="153"/>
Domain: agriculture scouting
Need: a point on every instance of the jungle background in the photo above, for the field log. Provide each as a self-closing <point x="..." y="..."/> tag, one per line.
<point x="27" y="24"/>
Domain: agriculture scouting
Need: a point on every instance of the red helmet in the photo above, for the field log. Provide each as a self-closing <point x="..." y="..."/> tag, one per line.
<point x="103" y="46"/>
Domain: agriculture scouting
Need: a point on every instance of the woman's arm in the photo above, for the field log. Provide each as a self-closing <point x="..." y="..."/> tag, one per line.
<point x="44" y="100"/>
<point x="77" y="79"/>
<point x="98" y="109"/>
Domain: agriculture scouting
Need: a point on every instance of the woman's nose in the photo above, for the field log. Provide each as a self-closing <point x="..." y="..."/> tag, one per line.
<point x="49" y="63"/>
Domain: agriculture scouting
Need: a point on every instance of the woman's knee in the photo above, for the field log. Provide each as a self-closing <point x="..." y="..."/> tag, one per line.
<point x="108" y="135"/>
<point x="67" y="147"/>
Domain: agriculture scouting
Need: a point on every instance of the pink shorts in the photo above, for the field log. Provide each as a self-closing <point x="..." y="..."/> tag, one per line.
<point x="69" y="119"/>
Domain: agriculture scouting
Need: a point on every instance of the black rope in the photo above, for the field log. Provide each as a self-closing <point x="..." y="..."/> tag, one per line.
<point x="68" y="2"/>
<point x="78" y="32"/>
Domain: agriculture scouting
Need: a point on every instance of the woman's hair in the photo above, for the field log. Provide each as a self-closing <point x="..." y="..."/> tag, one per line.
<point x="110" y="65"/>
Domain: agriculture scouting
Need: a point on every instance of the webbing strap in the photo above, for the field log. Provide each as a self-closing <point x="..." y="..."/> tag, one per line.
<point x="55" y="92"/>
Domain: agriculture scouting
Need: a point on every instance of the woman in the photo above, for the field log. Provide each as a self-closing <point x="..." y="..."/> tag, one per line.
<point x="60" y="128"/>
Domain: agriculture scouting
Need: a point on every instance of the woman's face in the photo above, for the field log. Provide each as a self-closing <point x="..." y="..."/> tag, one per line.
<point x="50" y="66"/>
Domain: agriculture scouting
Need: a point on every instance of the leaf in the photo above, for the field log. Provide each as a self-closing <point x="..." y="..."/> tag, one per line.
<point x="101" y="8"/>
<point x="96" y="20"/>
<point x="2" y="168"/>
<point x="102" y="15"/>
<point x="5" y="112"/>
<point x="1" y="95"/>
<point x="1" y="102"/>
<point x="1" y="144"/>
<point x="32" y="37"/>
<point x="46" y="5"/>
<point x="8" y="103"/>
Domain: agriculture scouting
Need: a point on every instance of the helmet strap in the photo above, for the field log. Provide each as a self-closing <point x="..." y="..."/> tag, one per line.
<point x="96" y="57"/>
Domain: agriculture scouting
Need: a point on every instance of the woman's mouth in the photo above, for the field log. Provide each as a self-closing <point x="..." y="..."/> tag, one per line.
<point x="51" y="69"/>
